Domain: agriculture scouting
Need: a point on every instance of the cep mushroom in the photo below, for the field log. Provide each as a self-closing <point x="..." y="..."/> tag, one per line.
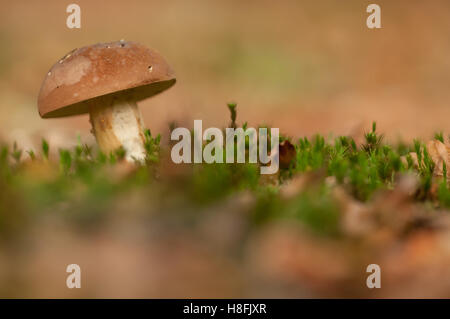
<point x="106" y="80"/>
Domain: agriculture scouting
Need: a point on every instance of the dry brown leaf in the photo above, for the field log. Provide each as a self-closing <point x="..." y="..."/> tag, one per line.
<point x="287" y="154"/>
<point x="414" y="159"/>
<point x="440" y="154"/>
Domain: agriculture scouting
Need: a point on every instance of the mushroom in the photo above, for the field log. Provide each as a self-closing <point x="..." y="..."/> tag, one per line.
<point x="106" y="80"/>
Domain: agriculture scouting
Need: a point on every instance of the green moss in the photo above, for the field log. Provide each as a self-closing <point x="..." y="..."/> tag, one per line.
<point x="87" y="182"/>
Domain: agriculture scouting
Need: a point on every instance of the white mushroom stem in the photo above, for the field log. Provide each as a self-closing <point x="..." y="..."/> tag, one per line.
<point x="118" y="123"/>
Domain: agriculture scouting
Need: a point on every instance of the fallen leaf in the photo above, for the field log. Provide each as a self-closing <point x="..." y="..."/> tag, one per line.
<point x="287" y="154"/>
<point x="440" y="154"/>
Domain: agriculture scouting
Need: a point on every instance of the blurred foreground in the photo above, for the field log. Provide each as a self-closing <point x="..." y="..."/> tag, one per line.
<point x="223" y="230"/>
<point x="164" y="230"/>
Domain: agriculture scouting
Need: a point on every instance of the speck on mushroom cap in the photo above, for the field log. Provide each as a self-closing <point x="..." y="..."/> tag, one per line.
<point x="102" y="69"/>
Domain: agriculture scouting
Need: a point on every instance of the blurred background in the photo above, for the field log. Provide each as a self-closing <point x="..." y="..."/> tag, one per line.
<point x="306" y="67"/>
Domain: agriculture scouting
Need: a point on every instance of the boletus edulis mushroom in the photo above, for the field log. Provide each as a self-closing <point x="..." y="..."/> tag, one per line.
<point x="106" y="80"/>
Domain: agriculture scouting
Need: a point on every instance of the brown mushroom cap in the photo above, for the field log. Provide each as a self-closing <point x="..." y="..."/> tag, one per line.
<point x="102" y="69"/>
